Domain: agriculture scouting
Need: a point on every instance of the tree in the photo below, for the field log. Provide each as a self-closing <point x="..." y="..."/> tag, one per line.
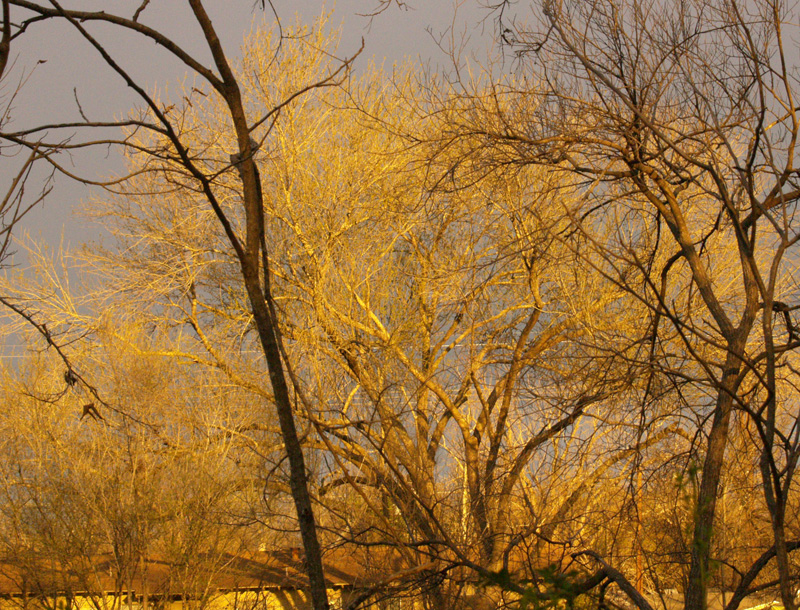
<point x="677" y="124"/>
<point x="437" y="341"/>
<point x="15" y="203"/>
<point x="573" y="273"/>
<point x="164" y="481"/>
<point x="195" y="172"/>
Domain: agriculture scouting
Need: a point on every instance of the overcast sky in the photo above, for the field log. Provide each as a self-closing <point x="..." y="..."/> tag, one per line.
<point x="60" y="66"/>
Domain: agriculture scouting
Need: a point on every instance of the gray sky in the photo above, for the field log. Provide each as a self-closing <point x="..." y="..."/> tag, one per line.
<point x="58" y="66"/>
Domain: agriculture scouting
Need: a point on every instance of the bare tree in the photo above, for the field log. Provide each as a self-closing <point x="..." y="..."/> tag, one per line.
<point x="88" y="502"/>
<point x="189" y="168"/>
<point x="438" y="341"/>
<point x="678" y="125"/>
<point x="15" y="202"/>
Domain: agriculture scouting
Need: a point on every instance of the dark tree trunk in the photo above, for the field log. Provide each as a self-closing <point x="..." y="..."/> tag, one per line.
<point x="253" y="261"/>
<point x="696" y="592"/>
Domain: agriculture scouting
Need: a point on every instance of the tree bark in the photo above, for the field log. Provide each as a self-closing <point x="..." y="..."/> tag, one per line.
<point x="696" y="593"/>
<point x="258" y="292"/>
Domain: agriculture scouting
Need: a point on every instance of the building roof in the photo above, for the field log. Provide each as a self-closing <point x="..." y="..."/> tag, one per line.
<point x="280" y="569"/>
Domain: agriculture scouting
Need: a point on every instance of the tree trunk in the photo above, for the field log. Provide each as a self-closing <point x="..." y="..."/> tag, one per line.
<point x="696" y="593"/>
<point x="250" y="259"/>
<point x="298" y="478"/>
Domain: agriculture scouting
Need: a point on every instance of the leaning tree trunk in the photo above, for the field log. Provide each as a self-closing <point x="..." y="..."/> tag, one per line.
<point x="253" y="260"/>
